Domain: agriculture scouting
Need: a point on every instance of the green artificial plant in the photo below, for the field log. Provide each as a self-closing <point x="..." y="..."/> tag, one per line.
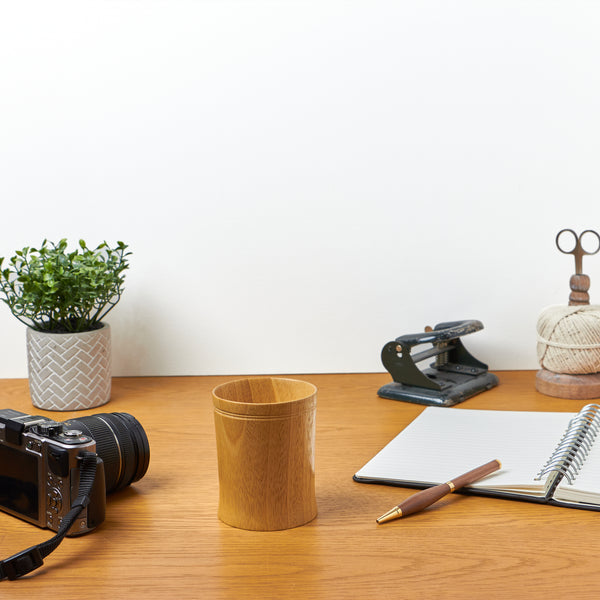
<point x="54" y="290"/>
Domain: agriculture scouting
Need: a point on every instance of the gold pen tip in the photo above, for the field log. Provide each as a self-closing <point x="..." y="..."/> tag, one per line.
<point x="390" y="515"/>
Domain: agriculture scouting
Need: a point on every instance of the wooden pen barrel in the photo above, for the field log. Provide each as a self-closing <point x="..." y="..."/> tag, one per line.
<point x="265" y="430"/>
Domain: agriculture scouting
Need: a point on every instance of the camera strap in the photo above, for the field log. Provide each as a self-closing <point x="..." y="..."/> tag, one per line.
<point x="28" y="560"/>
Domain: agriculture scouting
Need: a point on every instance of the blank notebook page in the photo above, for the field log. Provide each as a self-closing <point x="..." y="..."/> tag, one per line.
<point x="442" y="443"/>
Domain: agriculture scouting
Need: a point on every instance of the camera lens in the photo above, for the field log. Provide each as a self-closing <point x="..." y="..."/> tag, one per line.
<point x="121" y="443"/>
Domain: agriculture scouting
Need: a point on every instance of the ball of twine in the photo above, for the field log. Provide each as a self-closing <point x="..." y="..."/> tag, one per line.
<point x="569" y="339"/>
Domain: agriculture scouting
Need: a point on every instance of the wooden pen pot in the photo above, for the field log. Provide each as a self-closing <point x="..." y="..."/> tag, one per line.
<point x="265" y="429"/>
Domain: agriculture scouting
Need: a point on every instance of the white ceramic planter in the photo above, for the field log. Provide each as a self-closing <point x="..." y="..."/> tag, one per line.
<point x="69" y="371"/>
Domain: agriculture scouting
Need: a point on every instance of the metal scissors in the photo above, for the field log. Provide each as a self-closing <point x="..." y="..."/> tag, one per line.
<point x="577" y="251"/>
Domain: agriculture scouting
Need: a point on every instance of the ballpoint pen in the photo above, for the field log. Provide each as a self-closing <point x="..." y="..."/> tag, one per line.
<point x="427" y="497"/>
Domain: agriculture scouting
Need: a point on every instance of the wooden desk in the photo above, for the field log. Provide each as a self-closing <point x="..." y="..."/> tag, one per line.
<point x="162" y="538"/>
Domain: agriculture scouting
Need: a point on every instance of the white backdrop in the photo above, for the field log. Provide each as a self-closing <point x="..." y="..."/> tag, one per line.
<point x="302" y="181"/>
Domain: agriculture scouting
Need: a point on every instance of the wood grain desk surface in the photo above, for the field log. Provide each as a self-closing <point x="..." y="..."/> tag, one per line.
<point x="162" y="538"/>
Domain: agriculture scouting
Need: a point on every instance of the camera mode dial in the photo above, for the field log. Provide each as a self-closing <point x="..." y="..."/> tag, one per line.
<point x="49" y="428"/>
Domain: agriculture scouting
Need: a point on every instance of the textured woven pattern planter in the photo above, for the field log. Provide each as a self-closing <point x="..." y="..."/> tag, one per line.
<point x="69" y="371"/>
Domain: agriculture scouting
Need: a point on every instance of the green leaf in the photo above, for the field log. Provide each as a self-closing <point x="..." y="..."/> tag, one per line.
<point x="52" y="289"/>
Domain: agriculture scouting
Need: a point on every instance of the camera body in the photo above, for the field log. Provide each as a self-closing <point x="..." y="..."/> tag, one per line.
<point x="40" y="468"/>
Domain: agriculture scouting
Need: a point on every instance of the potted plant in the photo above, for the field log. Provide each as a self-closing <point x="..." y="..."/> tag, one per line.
<point x="63" y="297"/>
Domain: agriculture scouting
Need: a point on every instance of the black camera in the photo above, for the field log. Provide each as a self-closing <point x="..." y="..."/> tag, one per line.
<point x="40" y="465"/>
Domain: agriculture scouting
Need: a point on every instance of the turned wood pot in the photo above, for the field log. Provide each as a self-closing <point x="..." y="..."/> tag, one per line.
<point x="265" y="430"/>
<point x="69" y="371"/>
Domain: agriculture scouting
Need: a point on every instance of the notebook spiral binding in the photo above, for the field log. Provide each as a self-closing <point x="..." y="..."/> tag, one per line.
<point x="572" y="450"/>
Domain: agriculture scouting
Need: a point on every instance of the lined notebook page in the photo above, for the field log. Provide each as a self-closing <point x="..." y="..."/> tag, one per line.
<point x="442" y="443"/>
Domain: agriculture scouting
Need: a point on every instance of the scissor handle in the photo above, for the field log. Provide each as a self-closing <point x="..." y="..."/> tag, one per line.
<point x="577" y="250"/>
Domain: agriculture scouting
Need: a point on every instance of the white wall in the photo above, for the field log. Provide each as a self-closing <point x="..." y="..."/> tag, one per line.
<point x="301" y="182"/>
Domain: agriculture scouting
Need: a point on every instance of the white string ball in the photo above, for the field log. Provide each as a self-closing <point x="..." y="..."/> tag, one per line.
<point x="569" y="339"/>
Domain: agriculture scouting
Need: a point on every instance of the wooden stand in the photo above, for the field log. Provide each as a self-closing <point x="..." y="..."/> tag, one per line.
<point x="563" y="385"/>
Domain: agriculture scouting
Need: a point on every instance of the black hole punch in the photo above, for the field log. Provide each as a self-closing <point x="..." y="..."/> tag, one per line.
<point x="454" y="376"/>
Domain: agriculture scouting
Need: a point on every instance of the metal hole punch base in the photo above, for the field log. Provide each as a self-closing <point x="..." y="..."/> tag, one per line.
<point x="454" y="376"/>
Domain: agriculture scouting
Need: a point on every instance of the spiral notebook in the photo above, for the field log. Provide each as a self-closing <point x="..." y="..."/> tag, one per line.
<point x="550" y="458"/>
